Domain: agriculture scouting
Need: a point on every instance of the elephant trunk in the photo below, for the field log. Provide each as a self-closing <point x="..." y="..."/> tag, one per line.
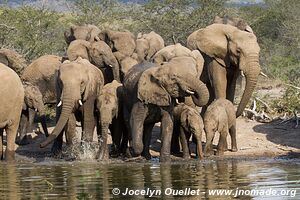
<point x="251" y="74"/>
<point x="103" y="140"/>
<point x="67" y="107"/>
<point x="201" y="95"/>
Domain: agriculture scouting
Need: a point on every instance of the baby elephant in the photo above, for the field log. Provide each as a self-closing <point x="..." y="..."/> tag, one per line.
<point x="188" y="121"/>
<point x="109" y="104"/>
<point x="220" y="116"/>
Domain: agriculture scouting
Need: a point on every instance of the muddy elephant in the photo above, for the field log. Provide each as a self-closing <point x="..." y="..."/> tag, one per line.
<point x="11" y="98"/>
<point x="149" y="94"/>
<point x="123" y="46"/>
<point x="147" y="45"/>
<point x="227" y="51"/>
<point x="39" y="83"/>
<point x="170" y="52"/>
<point x="234" y="21"/>
<point x="220" y="116"/>
<point x="187" y="122"/>
<point x="79" y="83"/>
<point x="110" y="106"/>
<point x="99" y="54"/>
<point x="86" y="32"/>
<point x="13" y="60"/>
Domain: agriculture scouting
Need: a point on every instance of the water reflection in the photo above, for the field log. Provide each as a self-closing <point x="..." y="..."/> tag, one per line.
<point x="93" y="180"/>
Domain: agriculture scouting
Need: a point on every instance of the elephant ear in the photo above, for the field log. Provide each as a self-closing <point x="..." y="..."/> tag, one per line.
<point x="4" y="59"/>
<point x="212" y="41"/>
<point x="150" y="91"/>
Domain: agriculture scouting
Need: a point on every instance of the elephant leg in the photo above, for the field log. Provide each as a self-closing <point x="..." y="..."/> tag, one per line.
<point x="208" y="150"/>
<point x="57" y="144"/>
<point x="31" y="120"/>
<point x="222" y="142"/>
<point x="232" y="132"/>
<point x="23" y="127"/>
<point x="231" y="86"/>
<point x="70" y="130"/>
<point x="166" y="135"/>
<point x="44" y="125"/>
<point x="175" y="147"/>
<point x="198" y="138"/>
<point x="184" y="144"/>
<point x="89" y="120"/>
<point x="11" y="133"/>
<point x="1" y="143"/>
<point x="218" y="78"/>
<point x="147" y="140"/>
<point x="137" y="118"/>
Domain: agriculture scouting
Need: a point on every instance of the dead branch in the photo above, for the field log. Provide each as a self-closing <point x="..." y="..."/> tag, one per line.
<point x="8" y="27"/>
<point x="290" y="85"/>
<point x="267" y="107"/>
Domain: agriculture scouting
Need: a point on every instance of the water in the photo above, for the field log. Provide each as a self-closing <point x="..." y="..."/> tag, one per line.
<point x="93" y="180"/>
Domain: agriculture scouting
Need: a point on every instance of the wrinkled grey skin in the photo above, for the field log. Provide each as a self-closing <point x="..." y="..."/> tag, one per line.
<point x="220" y="116"/>
<point x="79" y="82"/>
<point x="122" y="44"/>
<point x="39" y="85"/>
<point x="110" y="106"/>
<point x="227" y="51"/>
<point x="147" y="45"/>
<point x="187" y="122"/>
<point x="85" y="32"/>
<point x="11" y="98"/>
<point x="99" y="54"/>
<point x="13" y="60"/>
<point x="234" y="21"/>
<point x="149" y="94"/>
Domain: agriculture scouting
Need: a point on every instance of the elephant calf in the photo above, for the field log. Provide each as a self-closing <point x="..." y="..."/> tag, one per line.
<point x="189" y="121"/>
<point x="11" y="98"/>
<point x="220" y="116"/>
<point x="109" y="104"/>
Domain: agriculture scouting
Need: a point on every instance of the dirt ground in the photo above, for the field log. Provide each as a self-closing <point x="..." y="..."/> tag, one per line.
<point x="254" y="139"/>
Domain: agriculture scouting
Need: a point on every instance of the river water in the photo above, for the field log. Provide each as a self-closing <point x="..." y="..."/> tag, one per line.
<point x="225" y="179"/>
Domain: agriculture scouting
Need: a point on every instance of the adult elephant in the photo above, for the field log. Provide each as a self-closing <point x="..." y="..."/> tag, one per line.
<point x="11" y="98"/>
<point x="39" y="84"/>
<point x="150" y="92"/>
<point x="78" y="85"/>
<point x="99" y="54"/>
<point x="147" y="45"/>
<point x="227" y="51"/>
<point x="86" y="32"/>
<point x="122" y="44"/>
<point x="13" y="60"/>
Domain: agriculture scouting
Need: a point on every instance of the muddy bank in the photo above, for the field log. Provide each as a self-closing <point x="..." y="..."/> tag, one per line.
<point x="255" y="141"/>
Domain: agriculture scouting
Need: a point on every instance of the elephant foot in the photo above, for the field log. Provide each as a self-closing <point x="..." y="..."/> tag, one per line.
<point x="234" y="149"/>
<point x="146" y="155"/>
<point x="23" y="141"/>
<point x="208" y="153"/>
<point x="9" y="156"/>
<point x="220" y="153"/>
<point x="186" y="156"/>
<point x="114" y="152"/>
<point x="165" y="158"/>
<point x="56" y="148"/>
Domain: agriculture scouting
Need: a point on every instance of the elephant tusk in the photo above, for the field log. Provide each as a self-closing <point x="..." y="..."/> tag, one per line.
<point x="110" y="66"/>
<point x="177" y="102"/>
<point x="36" y="110"/>
<point x="59" y="103"/>
<point x="190" y="92"/>
<point x="80" y="102"/>
<point x="263" y="74"/>
<point x="242" y="74"/>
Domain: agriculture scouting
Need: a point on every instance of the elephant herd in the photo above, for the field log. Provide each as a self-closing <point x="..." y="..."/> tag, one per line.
<point x="115" y="82"/>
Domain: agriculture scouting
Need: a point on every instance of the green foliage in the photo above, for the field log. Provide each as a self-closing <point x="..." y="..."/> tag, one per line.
<point x="289" y="102"/>
<point x="33" y="32"/>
